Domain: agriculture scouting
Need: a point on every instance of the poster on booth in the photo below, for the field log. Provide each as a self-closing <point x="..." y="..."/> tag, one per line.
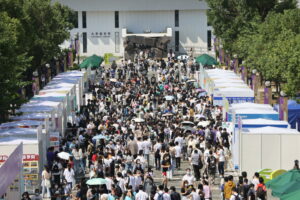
<point x="30" y="172"/>
<point x="54" y="140"/>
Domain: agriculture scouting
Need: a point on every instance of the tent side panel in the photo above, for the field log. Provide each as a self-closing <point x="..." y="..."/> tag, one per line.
<point x="289" y="150"/>
<point x="250" y="153"/>
<point x="271" y="151"/>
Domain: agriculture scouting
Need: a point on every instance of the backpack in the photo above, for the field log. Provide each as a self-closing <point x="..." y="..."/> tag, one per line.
<point x="118" y="191"/>
<point x="209" y="137"/>
<point x="160" y="196"/>
<point x="200" y="162"/>
<point x="237" y="197"/>
<point x="212" y="162"/>
<point x="149" y="186"/>
<point x="260" y="192"/>
<point x="55" y="169"/>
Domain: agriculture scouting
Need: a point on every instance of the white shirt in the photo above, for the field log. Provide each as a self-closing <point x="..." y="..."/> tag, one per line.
<point x="146" y="147"/>
<point x="166" y="196"/>
<point x="189" y="178"/>
<point x="195" y="158"/>
<point x="131" y="181"/>
<point x="138" y="180"/>
<point x="195" y="196"/>
<point x="157" y="146"/>
<point x="177" y="151"/>
<point x="206" y="154"/>
<point x="109" y="182"/>
<point x="179" y="140"/>
<point x="221" y="155"/>
<point x="121" y="183"/>
<point x="141" y="195"/>
<point x="255" y="182"/>
<point x="140" y="145"/>
<point x="69" y="175"/>
<point x="77" y="154"/>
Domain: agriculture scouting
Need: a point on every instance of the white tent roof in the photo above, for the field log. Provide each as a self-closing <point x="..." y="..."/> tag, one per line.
<point x="255" y="111"/>
<point x="56" y="90"/>
<point x="60" y="86"/>
<point x="71" y="74"/>
<point x="36" y="116"/>
<point x="224" y="80"/>
<point x="47" y="93"/>
<point x="236" y="92"/>
<point x="35" y="109"/>
<point x="18" y="132"/>
<point x="270" y="130"/>
<point x="247" y="105"/>
<point x="34" y="103"/>
<point x="48" y="97"/>
<point x="69" y="80"/>
<point x="15" y="140"/>
<point x="264" y="121"/>
<point x="21" y="123"/>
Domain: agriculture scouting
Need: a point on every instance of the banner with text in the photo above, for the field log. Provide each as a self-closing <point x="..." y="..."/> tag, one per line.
<point x="11" y="168"/>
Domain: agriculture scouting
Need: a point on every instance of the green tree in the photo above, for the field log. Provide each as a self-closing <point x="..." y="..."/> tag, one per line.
<point x="12" y="63"/>
<point x="31" y="32"/>
<point x="232" y="19"/>
<point x="274" y="50"/>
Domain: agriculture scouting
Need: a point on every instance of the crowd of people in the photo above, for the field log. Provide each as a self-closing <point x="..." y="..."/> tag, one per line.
<point x="143" y="117"/>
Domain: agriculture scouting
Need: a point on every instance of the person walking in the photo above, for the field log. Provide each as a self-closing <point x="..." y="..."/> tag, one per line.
<point x="46" y="183"/>
<point x="196" y="162"/>
<point x="133" y="146"/>
<point x="69" y="175"/>
<point x="177" y="155"/>
<point x="141" y="195"/>
<point x="228" y="187"/>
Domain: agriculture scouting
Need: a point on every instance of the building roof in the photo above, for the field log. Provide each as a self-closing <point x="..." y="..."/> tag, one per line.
<point x="134" y="5"/>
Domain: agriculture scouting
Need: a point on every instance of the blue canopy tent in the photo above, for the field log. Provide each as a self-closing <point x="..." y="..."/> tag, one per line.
<point x="293" y="113"/>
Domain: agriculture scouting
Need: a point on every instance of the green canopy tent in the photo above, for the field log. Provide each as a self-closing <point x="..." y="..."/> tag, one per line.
<point x="206" y="60"/>
<point x="92" y="61"/>
<point x="285" y="183"/>
<point x="291" y="196"/>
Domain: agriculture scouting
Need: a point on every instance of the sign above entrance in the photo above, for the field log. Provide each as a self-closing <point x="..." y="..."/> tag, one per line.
<point x="100" y="34"/>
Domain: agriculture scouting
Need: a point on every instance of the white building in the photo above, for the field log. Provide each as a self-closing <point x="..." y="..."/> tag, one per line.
<point x="104" y="24"/>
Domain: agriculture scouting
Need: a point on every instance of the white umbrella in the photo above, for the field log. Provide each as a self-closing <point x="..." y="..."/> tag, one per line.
<point x="116" y="125"/>
<point x="138" y="120"/>
<point x="203" y="123"/>
<point x="167" y="114"/>
<point x="199" y="116"/>
<point x="182" y="57"/>
<point x="187" y="123"/>
<point x="64" y="155"/>
<point x="191" y="80"/>
<point x="113" y="80"/>
<point x="169" y="98"/>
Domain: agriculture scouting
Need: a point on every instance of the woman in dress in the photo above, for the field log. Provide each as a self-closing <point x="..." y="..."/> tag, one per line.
<point x="46" y="184"/>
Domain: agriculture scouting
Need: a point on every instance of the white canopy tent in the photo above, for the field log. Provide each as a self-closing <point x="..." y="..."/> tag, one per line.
<point x="267" y="147"/>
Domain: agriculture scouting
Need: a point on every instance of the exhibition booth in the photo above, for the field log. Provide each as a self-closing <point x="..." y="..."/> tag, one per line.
<point x="221" y="84"/>
<point x="267" y="147"/>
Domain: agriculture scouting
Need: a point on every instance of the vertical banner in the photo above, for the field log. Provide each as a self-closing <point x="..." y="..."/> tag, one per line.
<point x="243" y="72"/>
<point x="215" y="42"/>
<point x="76" y="46"/>
<point x="235" y="65"/>
<point x="220" y="55"/>
<point x="253" y="77"/>
<point x="266" y="95"/>
<point x="10" y="169"/>
<point x="281" y="108"/>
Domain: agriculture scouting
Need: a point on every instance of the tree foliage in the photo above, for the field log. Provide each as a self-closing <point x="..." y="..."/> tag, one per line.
<point x="30" y="34"/>
<point x="264" y="33"/>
